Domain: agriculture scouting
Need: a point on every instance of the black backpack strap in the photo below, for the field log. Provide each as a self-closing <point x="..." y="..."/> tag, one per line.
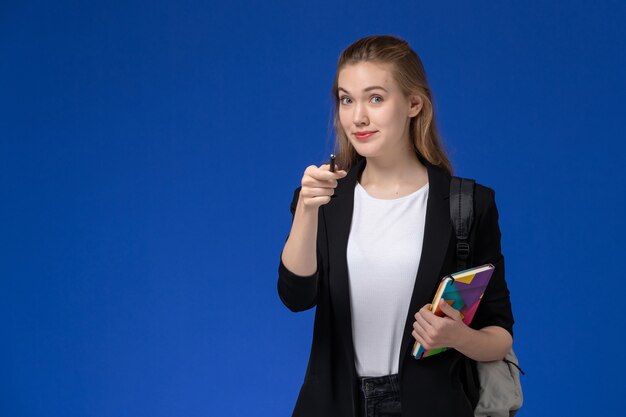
<point x="462" y="215"/>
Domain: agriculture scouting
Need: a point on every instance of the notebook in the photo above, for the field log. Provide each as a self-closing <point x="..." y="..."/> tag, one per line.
<point x="463" y="290"/>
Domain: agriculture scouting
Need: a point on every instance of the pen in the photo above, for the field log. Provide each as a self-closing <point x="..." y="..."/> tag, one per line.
<point x="332" y="162"/>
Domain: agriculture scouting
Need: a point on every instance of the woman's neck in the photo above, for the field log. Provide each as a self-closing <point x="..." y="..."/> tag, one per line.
<point x="394" y="176"/>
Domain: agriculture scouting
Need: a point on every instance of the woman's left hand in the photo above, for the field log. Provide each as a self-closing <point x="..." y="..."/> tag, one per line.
<point x="435" y="332"/>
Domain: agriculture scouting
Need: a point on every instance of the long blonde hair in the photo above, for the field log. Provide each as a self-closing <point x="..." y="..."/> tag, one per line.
<point x="408" y="71"/>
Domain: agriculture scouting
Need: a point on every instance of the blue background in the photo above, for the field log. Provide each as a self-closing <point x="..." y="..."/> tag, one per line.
<point x="149" y="151"/>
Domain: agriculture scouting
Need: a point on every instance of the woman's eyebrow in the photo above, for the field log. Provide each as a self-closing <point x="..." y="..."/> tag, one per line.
<point x="373" y="87"/>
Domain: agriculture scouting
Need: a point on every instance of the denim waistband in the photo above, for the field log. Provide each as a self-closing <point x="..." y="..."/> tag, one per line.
<point x="379" y="385"/>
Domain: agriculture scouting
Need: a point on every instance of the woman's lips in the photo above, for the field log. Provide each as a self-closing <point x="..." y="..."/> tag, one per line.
<point x="364" y="135"/>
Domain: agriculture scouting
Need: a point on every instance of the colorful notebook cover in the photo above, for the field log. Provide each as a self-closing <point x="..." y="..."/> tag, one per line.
<point x="463" y="290"/>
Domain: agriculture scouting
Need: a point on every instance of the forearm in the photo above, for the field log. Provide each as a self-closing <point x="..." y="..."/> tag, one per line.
<point x="487" y="344"/>
<point x="299" y="254"/>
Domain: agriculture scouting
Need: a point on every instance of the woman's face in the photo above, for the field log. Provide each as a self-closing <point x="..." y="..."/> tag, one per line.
<point x="373" y="111"/>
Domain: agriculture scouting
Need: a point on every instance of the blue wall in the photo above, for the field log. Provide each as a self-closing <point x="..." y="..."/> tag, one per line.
<point x="149" y="151"/>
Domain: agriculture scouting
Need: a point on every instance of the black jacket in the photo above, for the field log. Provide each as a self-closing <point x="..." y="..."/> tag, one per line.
<point x="431" y="386"/>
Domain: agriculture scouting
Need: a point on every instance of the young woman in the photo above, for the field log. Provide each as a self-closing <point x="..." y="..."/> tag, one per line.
<point x="370" y="242"/>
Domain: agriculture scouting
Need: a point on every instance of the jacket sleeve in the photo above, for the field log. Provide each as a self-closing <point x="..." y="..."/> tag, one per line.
<point x="297" y="292"/>
<point x="495" y="307"/>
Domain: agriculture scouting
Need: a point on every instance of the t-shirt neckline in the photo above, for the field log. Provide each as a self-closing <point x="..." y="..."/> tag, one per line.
<point x="404" y="197"/>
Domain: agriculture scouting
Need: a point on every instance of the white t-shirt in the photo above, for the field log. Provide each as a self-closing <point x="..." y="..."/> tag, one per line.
<point x="384" y="251"/>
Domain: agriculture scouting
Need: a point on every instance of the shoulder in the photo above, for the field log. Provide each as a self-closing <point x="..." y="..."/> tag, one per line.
<point x="485" y="211"/>
<point x="484" y="201"/>
<point x="484" y="196"/>
<point x="441" y="180"/>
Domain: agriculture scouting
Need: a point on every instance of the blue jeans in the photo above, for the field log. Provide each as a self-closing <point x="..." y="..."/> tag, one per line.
<point x="379" y="396"/>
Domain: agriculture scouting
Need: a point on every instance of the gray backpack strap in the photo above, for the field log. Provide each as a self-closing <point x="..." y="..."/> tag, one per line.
<point x="462" y="215"/>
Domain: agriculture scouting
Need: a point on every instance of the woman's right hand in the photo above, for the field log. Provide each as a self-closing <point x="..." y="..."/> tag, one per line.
<point x="299" y="255"/>
<point x="318" y="185"/>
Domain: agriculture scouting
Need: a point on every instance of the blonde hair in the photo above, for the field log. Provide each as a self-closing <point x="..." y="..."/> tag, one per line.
<point x="408" y="71"/>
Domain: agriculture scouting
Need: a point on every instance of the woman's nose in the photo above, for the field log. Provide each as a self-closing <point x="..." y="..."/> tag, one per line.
<point x="360" y="115"/>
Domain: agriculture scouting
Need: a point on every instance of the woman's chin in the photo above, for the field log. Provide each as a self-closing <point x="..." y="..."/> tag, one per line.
<point x="365" y="149"/>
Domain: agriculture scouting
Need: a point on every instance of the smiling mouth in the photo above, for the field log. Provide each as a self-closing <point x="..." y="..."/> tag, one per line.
<point x="364" y="135"/>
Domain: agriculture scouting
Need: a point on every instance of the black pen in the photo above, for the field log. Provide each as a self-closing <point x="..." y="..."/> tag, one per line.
<point x="332" y="162"/>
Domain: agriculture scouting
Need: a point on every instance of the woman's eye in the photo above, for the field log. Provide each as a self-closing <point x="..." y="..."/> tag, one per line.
<point x="344" y="100"/>
<point x="379" y="98"/>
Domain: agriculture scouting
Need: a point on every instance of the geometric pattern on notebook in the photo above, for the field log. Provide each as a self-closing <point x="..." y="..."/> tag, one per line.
<point x="464" y="294"/>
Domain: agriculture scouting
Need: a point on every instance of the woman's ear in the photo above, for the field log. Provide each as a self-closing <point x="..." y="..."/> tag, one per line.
<point x="415" y="105"/>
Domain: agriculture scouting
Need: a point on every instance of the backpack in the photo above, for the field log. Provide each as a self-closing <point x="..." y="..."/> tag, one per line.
<point x="493" y="388"/>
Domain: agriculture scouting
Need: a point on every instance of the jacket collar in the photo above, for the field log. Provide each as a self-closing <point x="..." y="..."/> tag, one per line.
<point x="439" y="179"/>
<point x="437" y="235"/>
